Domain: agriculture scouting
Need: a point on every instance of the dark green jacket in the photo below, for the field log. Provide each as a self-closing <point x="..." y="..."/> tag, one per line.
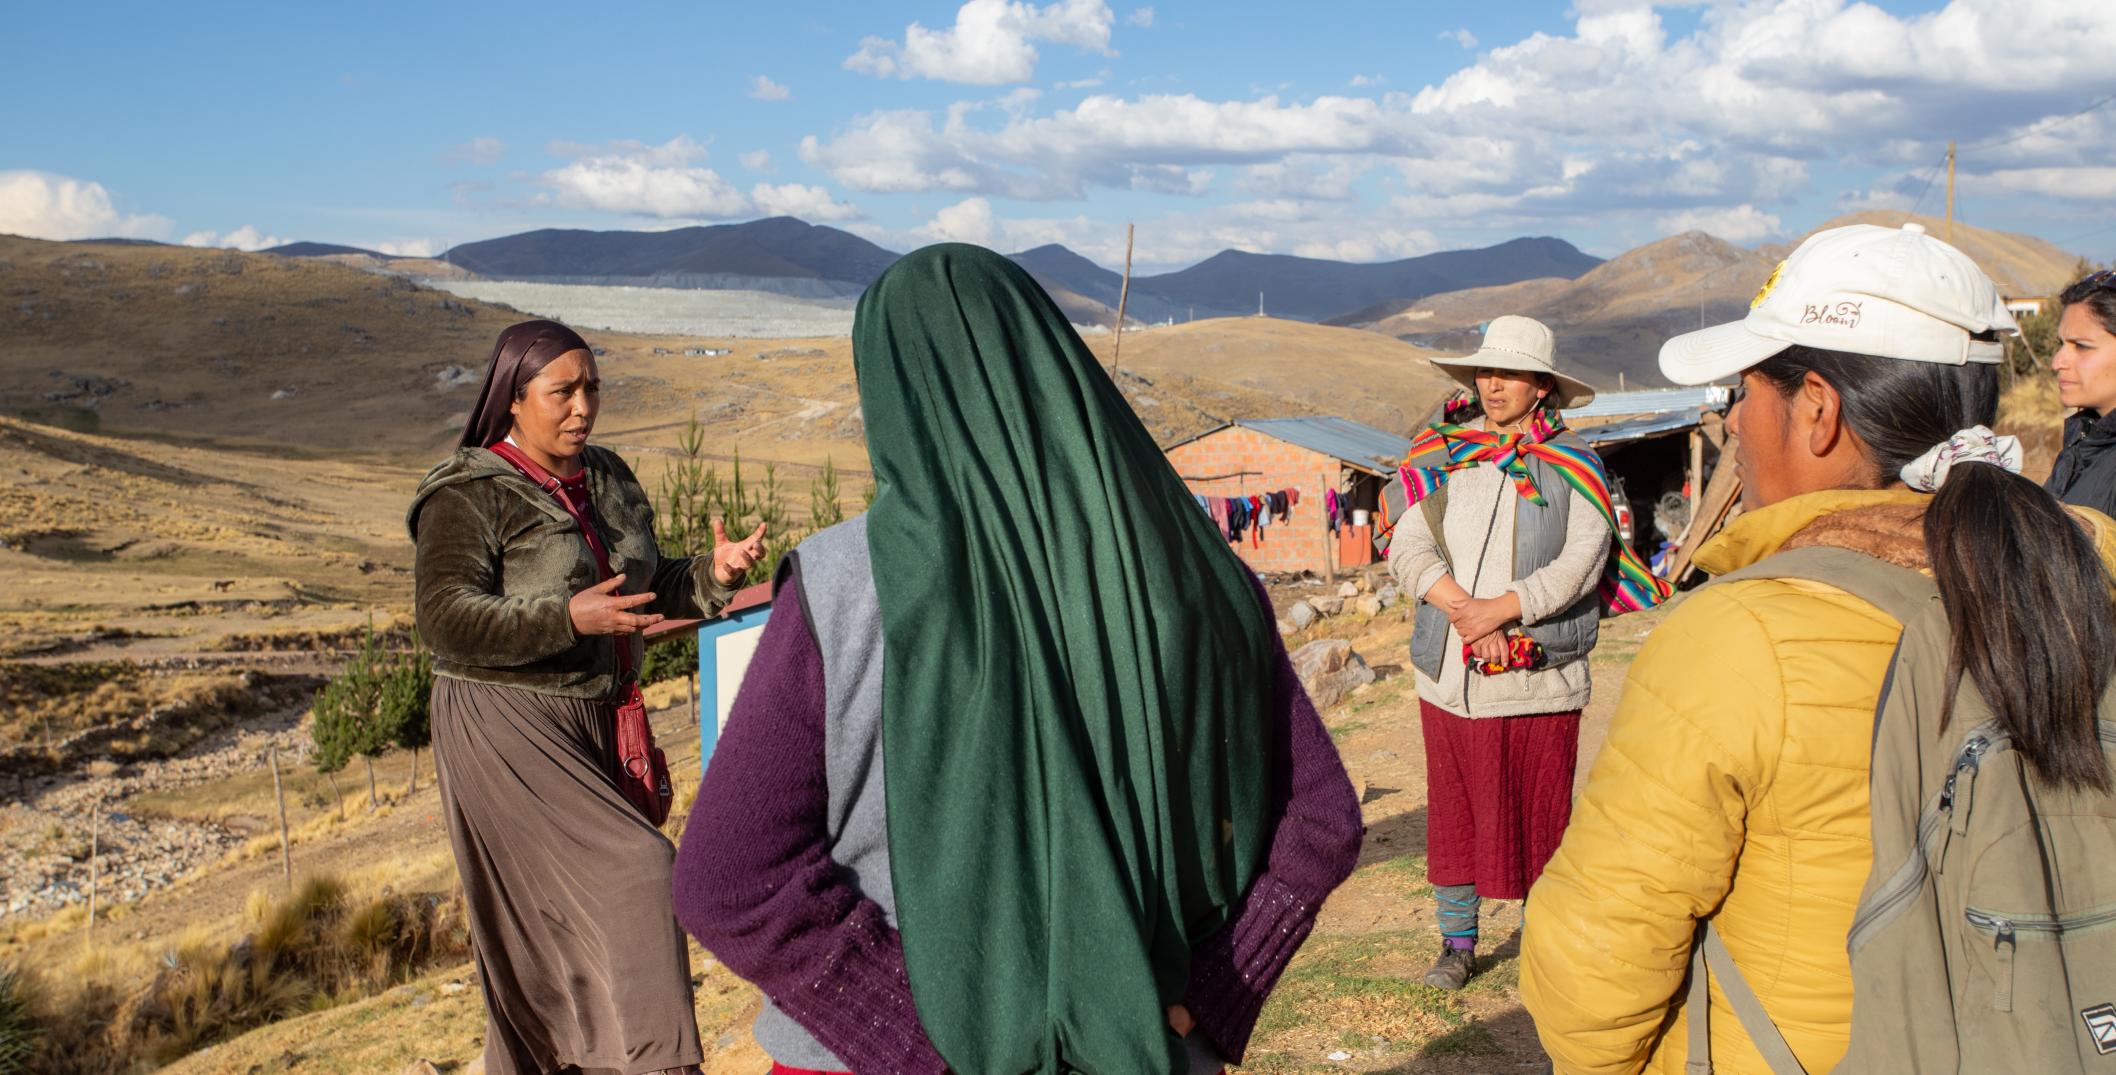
<point x="498" y="560"/>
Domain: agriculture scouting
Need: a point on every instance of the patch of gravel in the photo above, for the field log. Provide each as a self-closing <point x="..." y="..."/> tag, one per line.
<point x="45" y="822"/>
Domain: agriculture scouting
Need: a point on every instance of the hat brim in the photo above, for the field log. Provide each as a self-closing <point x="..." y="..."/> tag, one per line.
<point x="1572" y="392"/>
<point x="1719" y="353"/>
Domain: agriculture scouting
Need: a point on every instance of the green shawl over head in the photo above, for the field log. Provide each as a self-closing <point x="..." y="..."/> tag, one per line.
<point x="1076" y="682"/>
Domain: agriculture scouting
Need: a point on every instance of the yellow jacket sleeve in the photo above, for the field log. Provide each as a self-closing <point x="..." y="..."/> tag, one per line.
<point x="1655" y="836"/>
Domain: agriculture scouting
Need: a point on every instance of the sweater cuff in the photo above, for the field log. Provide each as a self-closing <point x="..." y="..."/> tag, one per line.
<point x="710" y="594"/>
<point x="1532" y="610"/>
<point x="1233" y="972"/>
<point x="1429" y="578"/>
<point x="552" y="617"/>
<point x="860" y="1006"/>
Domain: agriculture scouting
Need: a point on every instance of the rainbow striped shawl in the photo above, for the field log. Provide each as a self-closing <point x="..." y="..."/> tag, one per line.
<point x="1628" y="585"/>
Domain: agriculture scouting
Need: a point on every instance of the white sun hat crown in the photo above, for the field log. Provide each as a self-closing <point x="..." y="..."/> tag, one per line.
<point x="1890" y="292"/>
<point x="1524" y="345"/>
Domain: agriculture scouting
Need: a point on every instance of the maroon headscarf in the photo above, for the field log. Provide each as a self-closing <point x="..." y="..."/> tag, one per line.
<point x="521" y="353"/>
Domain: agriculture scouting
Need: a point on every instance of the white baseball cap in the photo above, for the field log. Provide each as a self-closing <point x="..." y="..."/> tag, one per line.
<point x="1890" y="292"/>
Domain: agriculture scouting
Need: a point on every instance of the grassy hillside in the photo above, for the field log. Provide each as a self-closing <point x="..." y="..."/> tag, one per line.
<point x="1319" y="369"/>
<point x="1614" y="318"/>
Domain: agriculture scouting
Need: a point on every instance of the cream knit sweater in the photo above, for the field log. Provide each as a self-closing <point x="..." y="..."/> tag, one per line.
<point x="1480" y="525"/>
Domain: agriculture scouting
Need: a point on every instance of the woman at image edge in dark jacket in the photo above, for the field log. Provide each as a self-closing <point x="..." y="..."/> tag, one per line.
<point x="2085" y="364"/>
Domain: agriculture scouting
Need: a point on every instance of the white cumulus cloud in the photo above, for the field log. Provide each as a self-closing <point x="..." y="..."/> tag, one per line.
<point x="246" y="237"/>
<point x="991" y="42"/>
<point x="968" y="221"/>
<point x="408" y="248"/>
<point x="764" y="89"/>
<point x="756" y="160"/>
<point x="796" y="199"/>
<point x="1460" y="37"/>
<point x="1142" y="18"/>
<point x="40" y="205"/>
<point x="1738" y="224"/>
<point x="667" y="181"/>
<point x="1616" y="120"/>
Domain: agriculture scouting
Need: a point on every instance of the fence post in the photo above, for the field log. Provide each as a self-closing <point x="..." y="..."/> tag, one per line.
<point x="286" y="859"/>
<point x="95" y="853"/>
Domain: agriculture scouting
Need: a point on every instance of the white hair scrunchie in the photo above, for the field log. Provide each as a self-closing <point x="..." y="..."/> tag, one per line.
<point x="1976" y="444"/>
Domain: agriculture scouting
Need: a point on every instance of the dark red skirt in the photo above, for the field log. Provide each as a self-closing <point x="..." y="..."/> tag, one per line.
<point x="1498" y="797"/>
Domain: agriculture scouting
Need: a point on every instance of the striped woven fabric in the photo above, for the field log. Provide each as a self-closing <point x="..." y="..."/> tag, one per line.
<point x="1628" y="585"/>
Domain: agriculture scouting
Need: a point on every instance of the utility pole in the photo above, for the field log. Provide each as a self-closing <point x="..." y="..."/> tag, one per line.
<point x="1116" y="347"/>
<point x="1950" y="191"/>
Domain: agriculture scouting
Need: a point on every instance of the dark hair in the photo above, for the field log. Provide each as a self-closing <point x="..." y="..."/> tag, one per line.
<point x="2098" y="292"/>
<point x="2025" y="591"/>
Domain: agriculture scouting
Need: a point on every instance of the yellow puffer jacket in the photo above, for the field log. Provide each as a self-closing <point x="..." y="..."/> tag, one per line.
<point x="1742" y="739"/>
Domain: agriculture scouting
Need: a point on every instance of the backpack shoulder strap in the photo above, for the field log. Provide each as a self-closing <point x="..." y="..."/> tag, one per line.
<point x="1898" y="591"/>
<point x="1903" y="595"/>
<point x="1708" y="951"/>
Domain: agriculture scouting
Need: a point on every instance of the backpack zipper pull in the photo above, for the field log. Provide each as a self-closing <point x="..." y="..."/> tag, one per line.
<point x="1959" y="795"/>
<point x="2004" y="944"/>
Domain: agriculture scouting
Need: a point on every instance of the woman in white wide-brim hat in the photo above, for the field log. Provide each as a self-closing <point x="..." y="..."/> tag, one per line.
<point x="1504" y="540"/>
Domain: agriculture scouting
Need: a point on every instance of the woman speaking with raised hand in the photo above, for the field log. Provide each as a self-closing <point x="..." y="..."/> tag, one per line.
<point x="536" y="572"/>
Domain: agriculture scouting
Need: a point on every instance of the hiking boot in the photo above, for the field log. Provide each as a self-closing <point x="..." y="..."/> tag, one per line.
<point x="1453" y="969"/>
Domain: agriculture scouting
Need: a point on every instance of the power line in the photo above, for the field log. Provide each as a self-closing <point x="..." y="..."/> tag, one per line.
<point x="2088" y="234"/>
<point x="2040" y="126"/>
<point x="1929" y="177"/>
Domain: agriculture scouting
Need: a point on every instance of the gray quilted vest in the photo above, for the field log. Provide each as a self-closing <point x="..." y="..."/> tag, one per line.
<point x="1539" y="535"/>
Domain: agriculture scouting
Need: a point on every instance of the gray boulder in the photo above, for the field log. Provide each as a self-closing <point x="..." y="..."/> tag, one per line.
<point x="1330" y="669"/>
<point x="1301" y="615"/>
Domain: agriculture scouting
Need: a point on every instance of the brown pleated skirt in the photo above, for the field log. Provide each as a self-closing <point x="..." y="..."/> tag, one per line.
<point x="579" y="955"/>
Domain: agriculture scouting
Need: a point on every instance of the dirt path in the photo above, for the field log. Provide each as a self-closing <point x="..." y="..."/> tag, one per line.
<point x="1353" y="999"/>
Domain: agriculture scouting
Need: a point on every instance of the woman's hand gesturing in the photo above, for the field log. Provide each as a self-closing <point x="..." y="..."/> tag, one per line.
<point x="733" y="559"/>
<point x="601" y="610"/>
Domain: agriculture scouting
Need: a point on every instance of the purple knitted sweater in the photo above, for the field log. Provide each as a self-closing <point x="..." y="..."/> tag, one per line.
<point x="755" y="884"/>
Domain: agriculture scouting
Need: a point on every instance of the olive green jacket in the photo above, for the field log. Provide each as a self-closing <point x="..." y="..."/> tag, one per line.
<point x="498" y="560"/>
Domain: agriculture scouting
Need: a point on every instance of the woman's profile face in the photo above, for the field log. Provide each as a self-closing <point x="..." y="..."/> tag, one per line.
<point x="2085" y="362"/>
<point x="1508" y="395"/>
<point x="556" y="409"/>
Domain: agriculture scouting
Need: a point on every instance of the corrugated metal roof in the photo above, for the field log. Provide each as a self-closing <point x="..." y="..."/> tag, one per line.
<point x="1652" y="401"/>
<point x="1631" y="429"/>
<point x="1360" y="445"/>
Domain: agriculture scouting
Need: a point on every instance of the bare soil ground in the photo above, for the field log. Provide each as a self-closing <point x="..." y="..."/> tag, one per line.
<point x="1352" y="1000"/>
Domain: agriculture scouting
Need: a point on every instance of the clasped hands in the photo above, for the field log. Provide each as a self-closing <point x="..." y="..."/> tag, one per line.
<point x="1481" y="621"/>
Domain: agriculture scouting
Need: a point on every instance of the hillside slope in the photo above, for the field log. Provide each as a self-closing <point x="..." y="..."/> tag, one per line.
<point x="1613" y="319"/>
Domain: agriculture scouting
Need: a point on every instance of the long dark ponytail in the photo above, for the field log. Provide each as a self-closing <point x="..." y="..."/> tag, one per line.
<point x="2025" y="591"/>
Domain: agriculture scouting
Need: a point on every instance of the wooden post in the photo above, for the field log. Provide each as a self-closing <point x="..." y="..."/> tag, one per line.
<point x="286" y="858"/>
<point x="95" y="854"/>
<point x="1950" y="190"/>
<point x="1720" y="497"/>
<point x="1116" y="347"/>
<point x="1329" y="542"/>
<point x="1696" y="476"/>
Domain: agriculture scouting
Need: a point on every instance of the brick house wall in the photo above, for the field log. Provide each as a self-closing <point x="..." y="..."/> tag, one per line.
<point x="1300" y="544"/>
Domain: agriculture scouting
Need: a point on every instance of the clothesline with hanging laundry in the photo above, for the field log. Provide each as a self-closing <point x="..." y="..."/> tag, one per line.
<point x="1251" y="515"/>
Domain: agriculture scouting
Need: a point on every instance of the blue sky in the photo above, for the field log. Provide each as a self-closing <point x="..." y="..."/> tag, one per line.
<point x="1364" y="131"/>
